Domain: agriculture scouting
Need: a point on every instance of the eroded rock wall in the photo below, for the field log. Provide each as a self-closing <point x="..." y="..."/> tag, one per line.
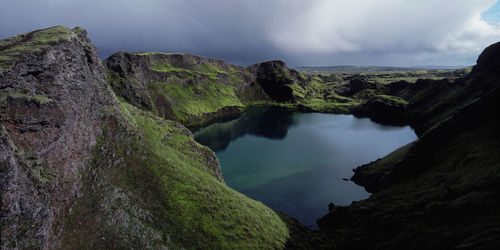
<point x="50" y="105"/>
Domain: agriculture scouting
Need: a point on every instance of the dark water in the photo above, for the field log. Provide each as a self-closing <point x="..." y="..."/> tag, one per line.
<point x="295" y="162"/>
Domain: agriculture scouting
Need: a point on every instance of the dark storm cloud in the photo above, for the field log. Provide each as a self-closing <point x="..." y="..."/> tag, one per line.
<point x="308" y="32"/>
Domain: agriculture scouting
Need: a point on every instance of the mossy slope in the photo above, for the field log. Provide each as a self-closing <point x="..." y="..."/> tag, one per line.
<point x="103" y="174"/>
<point x="441" y="191"/>
<point x="169" y="183"/>
<point x="15" y="48"/>
<point x="186" y="88"/>
<point x="195" y="90"/>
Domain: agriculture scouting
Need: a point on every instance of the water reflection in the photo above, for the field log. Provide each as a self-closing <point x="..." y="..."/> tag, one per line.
<point x="295" y="162"/>
<point x="267" y="121"/>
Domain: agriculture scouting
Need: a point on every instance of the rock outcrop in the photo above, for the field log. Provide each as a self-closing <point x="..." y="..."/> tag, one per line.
<point x="196" y="90"/>
<point x="81" y="169"/>
<point x="439" y="192"/>
<point x="190" y="89"/>
<point x="51" y="99"/>
<point x="276" y="80"/>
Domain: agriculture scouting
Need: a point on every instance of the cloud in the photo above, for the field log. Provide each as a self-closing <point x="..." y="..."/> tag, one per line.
<point x="302" y="32"/>
<point x="386" y="25"/>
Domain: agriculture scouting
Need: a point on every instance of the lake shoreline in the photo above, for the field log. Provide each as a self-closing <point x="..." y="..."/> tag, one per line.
<point x="290" y="160"/>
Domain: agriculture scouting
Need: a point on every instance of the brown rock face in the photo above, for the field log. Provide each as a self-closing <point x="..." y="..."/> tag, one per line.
<point x="50" y="106"/>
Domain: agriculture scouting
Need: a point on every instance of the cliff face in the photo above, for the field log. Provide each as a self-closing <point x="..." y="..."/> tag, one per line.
<point x="186" y="88"/>
<point x="196" y="90"/>
<point x="52" y="92"/>
<point x="441" y="191"/>
<point x="81" y="169"/>
<point x="277" y="80"/>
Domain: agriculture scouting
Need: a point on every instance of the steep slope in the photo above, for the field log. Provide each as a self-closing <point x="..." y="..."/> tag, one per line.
<point x="441" y="191"/>
<point x="52" y="92"/>
<point x="196" y="90"/>
<point x="80" y="169"/>
<point x="186" y="88"/>
<point x="155" y="187"/>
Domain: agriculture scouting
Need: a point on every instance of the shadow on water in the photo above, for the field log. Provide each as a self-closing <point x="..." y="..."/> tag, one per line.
<point x="266" y="121"/>
<point x="297" y="162"/>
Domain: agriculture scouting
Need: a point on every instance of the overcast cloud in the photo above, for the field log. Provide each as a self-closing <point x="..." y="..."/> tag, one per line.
<point x="302" y="32"/>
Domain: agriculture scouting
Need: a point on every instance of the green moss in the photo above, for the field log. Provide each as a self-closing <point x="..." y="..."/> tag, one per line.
<point x="77" y="29"/>
<point x="36" y="166"/>
<point x="208" y="70"/>
<point x="192" y="101"/>
<point x="201" y="212"/>
<point x="167" y="67"/>
<point x="389" y="99"/>
<point x="396" y="155"/>
<point x="117" y="83"/>
<point x="38" y="98"/>
<point x="155" y="53"/>
<point x="365" y="94"/>
<point x="33" y="41"/>
<point x="411" y="77"/>
<point x="331" y="95"/>
<point x="54" y="34"/>
<point x="298" y="91"/>
<point x="320" y="105"/>
<point x="320" y="96"/>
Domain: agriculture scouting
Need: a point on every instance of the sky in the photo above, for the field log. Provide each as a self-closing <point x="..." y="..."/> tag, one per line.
<point x="300" y="32"/>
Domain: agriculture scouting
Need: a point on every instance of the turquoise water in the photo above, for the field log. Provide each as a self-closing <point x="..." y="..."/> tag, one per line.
<point x="296" y="162"/>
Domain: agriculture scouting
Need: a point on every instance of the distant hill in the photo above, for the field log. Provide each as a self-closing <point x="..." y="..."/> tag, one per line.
<point x="360" y="69"/>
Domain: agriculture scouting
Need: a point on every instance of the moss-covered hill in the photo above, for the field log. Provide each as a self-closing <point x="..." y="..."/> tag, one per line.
<point x="81" y="168"/>
<point x="195" y="90"/>
<point x="186" y="88"/>
<point x="441" y="191"/>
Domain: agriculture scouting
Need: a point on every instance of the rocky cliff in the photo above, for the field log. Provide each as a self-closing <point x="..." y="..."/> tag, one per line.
<point x="195" y="90"/>
<point x="53" y="91"/>
<point x="82" y="169"/>
<point x="186" y="88"/>
<point x="441" y="191"/>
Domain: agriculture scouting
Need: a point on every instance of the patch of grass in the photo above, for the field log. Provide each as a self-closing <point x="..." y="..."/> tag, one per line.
<point x="389" y="99"/>
<point x="320" y="105"/>
<point x="37" y="167"/>
<point x="332" y="96"/>
<point x="38" y="98"/>
<point x="119" y="85"/>
<point x="51" y="35"/>
<point x="205" y="69"/>
<point x="12" y="48"/>
<point x="209" y="68"/>
<point x="165" y="186"/>
<point x="191" y="102"/>
<point x="201" y="212"/>
<point x="167" y="67"/>
<point x="298" y="91"/>
<point x="321" y="96"/>
<point x="154" y="53"/>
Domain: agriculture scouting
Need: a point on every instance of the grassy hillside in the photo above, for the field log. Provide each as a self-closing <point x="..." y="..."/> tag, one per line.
<point x="186" y="88"/>
<point x="82" y="170"/>
<point x="13" y="48"/>
<point x="165" y="185"/>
